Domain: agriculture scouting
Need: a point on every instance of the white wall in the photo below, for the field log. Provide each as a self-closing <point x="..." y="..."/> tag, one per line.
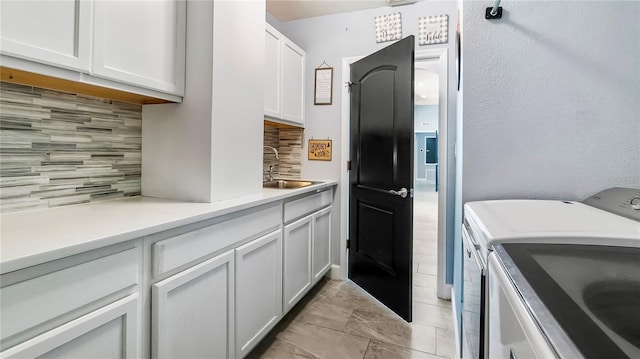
<point x="425" y="118"/>
<point x="551" y="99"/>
<point x="238" y="98"/>
<point x="176" y="138"/>
<point x="333" y="37"/>
<point x="209" y="147"/>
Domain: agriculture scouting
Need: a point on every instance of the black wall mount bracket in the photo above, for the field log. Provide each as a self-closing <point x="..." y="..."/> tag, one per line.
<point x="488" y="16"/>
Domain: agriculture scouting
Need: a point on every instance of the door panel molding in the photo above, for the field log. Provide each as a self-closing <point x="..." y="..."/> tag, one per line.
<point x="377" y="70"/>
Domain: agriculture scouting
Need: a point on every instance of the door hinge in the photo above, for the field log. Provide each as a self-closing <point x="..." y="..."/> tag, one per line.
<point x="348" y="244"/>
<point x="349" y="84"/>
<point x="348" y="165"/>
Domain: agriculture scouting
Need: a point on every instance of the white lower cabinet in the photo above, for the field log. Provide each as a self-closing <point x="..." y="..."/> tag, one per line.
<point x="297" y="261"/>
<point x="109" y="332"/>
<point x="258" y="290"/>
<point x="211" y="289"/>
<point x="321" y="243"/>
<point x="307" y="254"/>
<point x="83" y="306"/>
<point x="192" y="311"/>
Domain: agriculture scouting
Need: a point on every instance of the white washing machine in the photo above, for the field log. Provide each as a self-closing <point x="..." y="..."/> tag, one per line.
<point x="610" y="215"/>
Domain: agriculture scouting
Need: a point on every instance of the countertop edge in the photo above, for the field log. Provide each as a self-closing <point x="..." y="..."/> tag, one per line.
<point x="217" y="209"/>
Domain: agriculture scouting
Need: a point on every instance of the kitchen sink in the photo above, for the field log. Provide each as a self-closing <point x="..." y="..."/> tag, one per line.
<point x="287" y="184"/>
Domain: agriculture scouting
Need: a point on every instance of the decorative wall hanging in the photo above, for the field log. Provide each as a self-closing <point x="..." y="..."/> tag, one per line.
<point x="320" y="150"/>
<point x="388" y="27"/>
<point x="433" y="30"/>
<point x="323" y="85"/>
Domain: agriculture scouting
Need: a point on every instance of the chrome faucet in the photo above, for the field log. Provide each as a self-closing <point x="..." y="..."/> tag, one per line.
<point x="270" y="173"/>
<point x="274" y="150"/>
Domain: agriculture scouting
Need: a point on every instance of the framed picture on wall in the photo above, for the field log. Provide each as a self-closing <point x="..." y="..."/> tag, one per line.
<point x="323" y="86"/>
<point x="320" y="150"/>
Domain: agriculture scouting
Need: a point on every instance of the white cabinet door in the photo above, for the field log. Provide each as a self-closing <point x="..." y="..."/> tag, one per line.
<point x="54" y="32"/>
<point x="297" y="261"/>
<point x="273" y="73"/>
<point x="109" y="332"/>
<point x="321" y="243"/>
<point x="293" y="70"/>
<point x="141" y="43"/>
<point x="258" y="290"/>
<point x="192" y="311"/>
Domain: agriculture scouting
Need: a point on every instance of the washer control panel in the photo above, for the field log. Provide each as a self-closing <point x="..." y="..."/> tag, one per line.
<point x="624" y="202"/>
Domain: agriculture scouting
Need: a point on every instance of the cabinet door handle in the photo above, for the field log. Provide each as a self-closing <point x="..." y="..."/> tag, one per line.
<point x="512" y="354"/>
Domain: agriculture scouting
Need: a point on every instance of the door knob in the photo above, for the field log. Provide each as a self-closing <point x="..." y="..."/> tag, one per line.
<point x="402" y="192"/>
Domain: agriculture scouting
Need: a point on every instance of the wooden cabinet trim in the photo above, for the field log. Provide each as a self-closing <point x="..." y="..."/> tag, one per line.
<point x="52" y="83"/>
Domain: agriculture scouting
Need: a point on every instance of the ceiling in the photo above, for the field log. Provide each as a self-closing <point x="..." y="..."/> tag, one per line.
<point x="285" y="10"/>
<point x="426" y="83"/>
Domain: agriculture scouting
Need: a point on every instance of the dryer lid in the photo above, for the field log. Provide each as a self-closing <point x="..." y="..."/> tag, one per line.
<point x="519" y="220"/>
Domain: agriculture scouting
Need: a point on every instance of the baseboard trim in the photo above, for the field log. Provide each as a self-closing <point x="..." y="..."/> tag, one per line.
<point x="456" y="325"/>
<point x="336" y="272"/>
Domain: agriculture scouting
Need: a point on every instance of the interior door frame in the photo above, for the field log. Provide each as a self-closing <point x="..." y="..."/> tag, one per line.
<point x="441" y="56"/>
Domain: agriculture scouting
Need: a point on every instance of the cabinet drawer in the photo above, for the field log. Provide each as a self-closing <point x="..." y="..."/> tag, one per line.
<point x="303" y="206"/>
<point x="28" y="303"/>
<point x="177" y="251"/>
<point x="109" y="332"/>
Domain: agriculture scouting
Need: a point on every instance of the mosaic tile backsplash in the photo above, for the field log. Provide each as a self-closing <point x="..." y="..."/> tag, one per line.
<point x="288" y="142"/>
<point x="59" y="149"/>
<point x="271" y="138"/>
<point x="291" y="152"/>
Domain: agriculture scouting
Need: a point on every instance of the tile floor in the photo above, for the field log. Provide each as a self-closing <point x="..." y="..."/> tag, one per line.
<point x="338" y="320"/>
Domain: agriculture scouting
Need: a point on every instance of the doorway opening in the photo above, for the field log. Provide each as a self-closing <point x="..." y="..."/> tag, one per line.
<point x="426" y="181"/>
<point x="435" y="170"/>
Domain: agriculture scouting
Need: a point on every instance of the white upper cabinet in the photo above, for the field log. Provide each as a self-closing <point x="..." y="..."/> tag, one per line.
<point x="293" y="66"/>
<point x="133" y="46"/>
<point x="141" y="43"/>
<point x="52" y="32"/>
<point x="273" y="87"/>
<point x="285" y="65"/>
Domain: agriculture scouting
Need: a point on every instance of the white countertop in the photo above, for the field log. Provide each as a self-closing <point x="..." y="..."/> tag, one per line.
<point x="33" y="237"/>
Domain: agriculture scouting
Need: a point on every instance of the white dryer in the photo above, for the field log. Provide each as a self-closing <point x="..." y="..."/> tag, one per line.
<point x="609" y="216"/>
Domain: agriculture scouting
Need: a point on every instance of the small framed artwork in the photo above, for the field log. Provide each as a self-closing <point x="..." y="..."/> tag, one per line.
<point x="323" y="86"/>
<point x="388" y="27"/>
<point x="319" y="150"/>
<point x="433" y="30"/>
